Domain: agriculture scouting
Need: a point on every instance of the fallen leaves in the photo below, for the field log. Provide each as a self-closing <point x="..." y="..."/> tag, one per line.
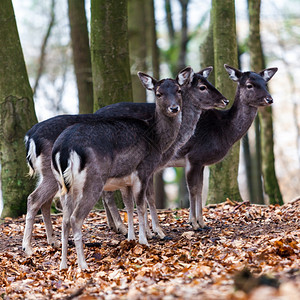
<point x="247" y="252"/>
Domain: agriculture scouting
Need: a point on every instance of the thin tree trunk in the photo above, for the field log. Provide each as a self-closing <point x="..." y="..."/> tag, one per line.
<point x="170" y="25"/>
<point x="223" y="176"/>
<point x="110" y="52"/>
<point x="207" y="50"/>
<point x="271" y="186"/>
<point x="137" y="45"/>
<point x="16" y="117"/>
<point x="44" y="45"/>
<point x="81" y="55"/>
<point x="184" y="35"/>
<point x="153" y="57"/>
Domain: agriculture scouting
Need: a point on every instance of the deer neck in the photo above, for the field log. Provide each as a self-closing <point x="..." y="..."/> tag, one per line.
<point x="166" y="129"/>
<point x="190" y="117"/>
<point x="241" y="116"/>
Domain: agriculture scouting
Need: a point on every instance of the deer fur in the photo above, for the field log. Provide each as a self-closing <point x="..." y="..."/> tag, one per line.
<point x="85" y="157"/>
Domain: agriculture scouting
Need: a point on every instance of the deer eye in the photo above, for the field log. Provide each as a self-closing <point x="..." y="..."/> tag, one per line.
<point x="158" y="95"/>
<point x="249" y="86"/>
<point x="202" y="87"/>
<point x="179" y="91"/>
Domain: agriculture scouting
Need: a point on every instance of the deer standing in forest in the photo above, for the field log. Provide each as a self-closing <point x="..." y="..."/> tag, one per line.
<point x="216" y="133"/>
<point x="88" y="157"/>
<point x="40" y="138"/>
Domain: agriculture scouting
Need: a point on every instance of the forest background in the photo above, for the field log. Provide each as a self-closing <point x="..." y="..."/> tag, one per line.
<point x="56" y="90"/>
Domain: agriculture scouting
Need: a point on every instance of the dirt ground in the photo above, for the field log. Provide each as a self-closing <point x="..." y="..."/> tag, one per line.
<point x="246" y="252"/>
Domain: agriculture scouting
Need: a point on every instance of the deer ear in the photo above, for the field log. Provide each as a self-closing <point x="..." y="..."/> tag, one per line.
<point x="267" y="74"/>
<point x="234" y="74"/>
<point x="185" y="76"/>
<point x="147" y="81"/>
<point x="206" y="72"/>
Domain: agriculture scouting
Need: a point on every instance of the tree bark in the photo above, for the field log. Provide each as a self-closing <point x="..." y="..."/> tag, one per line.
<point x="17" y="115"/>
<point x="110" y="52"/>
<point x="81" y="54"/>
<point x="137" y="45"/>
<point x="153" y="57"/>
<point x="223" y="176"/>
<point x="184" y="35"/>
<point x="170" y="25"/>
<point x="271" y="186"/>
<point x="44" y="45"/>
<point x="207" y="50"/>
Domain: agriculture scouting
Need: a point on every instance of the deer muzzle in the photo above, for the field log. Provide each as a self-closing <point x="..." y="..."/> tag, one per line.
<point x="174" y="109"/>
<point x="268" y="100"/>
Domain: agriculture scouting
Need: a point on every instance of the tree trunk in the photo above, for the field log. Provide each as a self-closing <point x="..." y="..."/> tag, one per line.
<point x="223" y="176"/>
<point x="184" y="35"/>
<point x="81" y="55"/>
<point x="170" y="25"/>
<point x="137" y="45"/>
<point x="271" y="186"/>
<point x="17" y="115"/>
<point x="207" y="50"/>
<point x="43" y="48"/>
<point x="153" y="57"/>
<point x="109" y="51"/>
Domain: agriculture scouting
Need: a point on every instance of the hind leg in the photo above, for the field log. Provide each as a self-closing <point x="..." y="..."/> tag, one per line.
<point x="118" y="225"/>
<point x="41" y="196"/>
<point x="84" y="204"/>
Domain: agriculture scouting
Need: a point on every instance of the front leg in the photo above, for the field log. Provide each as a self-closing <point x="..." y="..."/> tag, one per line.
<point x="129" y="206"/>
<point x="139" y="189"/>
<point x="194" y="179"/>
<point x="154" y="217"/>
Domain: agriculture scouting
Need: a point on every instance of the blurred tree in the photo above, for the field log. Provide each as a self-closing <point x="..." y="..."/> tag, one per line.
<point x="207" y="50"/>
<point x="271" y="186"/>
<point x="81" y="54"/>
<point x="109" y="52"/>
<point x="176" y="54"/>
<point x="223" y="176"/>
<point x="43" y="47"/>
<point x="153" y="58"/>
<point x="17" y="115"/>
<point x="137" y="33"/>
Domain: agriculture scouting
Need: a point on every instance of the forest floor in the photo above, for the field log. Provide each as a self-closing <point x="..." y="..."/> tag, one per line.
<point x="247" y="252"/>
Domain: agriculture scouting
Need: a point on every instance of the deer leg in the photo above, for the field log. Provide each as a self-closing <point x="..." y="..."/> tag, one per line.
<point x="118" y="225"/>
<point x="42" y="195"/>
<point x="46" y="213"/>
<point x="67" y="205"/>
<point x="85" y="199"/>
<point x="154" y="217"/>
<point x="140" y="195"/>
<point x="199" y="212"/>
<point x="110" y="221"/>
<point x="129" y="206"/>
<point x="194" y="174"/>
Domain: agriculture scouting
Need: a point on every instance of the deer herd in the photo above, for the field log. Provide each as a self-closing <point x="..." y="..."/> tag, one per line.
<point x="121" y="146"/>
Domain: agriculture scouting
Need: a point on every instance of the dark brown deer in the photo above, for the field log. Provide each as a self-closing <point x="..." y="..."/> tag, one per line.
<point x="39" y="142"/>
<point x="87" y="158"/>
<point x="215" y="134"/>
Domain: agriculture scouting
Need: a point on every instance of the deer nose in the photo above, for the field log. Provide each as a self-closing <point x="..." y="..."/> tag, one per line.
<point x="269" y="100"/>
<point x="225" y="101"/>
<point x="174" y="109"/>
